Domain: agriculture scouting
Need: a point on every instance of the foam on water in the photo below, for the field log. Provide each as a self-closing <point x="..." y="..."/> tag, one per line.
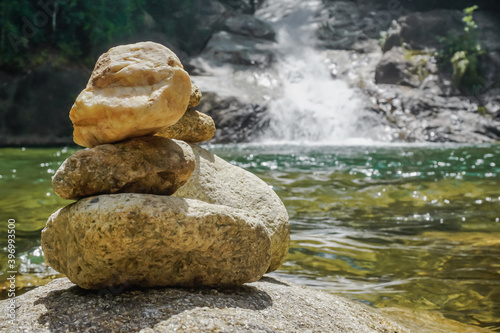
<point x="313" y="107"/>
<point x="306" y="105"/>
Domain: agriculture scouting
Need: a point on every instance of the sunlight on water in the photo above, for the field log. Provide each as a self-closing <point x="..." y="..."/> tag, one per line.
<point x="408" y="226"/>
<point x="26" y="195"/>
<point x="398" y="225"/>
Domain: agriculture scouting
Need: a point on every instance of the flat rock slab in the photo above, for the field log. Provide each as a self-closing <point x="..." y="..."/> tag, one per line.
<point x="269" y="305"/>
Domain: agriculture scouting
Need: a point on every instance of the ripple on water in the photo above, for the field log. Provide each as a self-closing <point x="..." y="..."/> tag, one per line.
<point x="387" y="225"/>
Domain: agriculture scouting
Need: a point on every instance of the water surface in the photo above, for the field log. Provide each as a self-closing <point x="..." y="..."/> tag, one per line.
<point x="411" y="226"/>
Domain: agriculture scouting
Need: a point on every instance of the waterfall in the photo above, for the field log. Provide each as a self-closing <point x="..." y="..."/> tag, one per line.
<point x="305" y="103"/>
<point x="313" y="107"/>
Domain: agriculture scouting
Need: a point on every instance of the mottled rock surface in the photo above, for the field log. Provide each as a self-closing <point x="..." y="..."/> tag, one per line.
<point x="269" y="305"/>
<point x="193" y="127"/>
<point x="195" y="97"/>
<point x="134" y="90"/>
<point x="141" y="165"/>
<point x="219" y="182"/>
<point x="124" y="240"/>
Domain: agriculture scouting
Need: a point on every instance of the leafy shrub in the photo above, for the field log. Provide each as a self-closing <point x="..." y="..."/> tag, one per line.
<point x="462" y="52"/>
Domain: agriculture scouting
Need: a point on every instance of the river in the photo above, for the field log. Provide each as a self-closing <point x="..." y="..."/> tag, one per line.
<point x="389" y="225"/>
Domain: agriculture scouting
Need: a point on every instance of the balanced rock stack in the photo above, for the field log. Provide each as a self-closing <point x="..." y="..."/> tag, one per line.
<point x="153" y="208"/>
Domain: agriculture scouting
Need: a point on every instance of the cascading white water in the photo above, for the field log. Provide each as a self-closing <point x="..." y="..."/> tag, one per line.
<point x="312" y="107"/>
<point x="305" y="104"/>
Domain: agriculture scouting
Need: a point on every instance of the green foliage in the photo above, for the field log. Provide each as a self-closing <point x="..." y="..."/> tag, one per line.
<point x="81" y="30"/>
<point x="462" y="52"/>
<point x="75" y="30"/>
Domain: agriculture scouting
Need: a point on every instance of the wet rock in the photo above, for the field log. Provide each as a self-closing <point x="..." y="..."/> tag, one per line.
<point x="228" y="48"/>
<point x="34" y="105"/>
<point x="124" y="240"/>
<point x="403" y="67"/>
<point x="141" y="165"/>
<point x="235" y="121"/>
<point x="419" y="30"/>
<point x="218" y="182"/>
<point x="248" y="25"/>
<point x="194" y="126"/>
<point x="134" y="90"/>
<point x="269" y="305"/>
<point x="423" y="116"/>
<point x="348" y="25"/>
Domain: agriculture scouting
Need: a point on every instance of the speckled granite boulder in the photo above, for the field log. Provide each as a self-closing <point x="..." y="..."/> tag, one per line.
<point x="219" y="182"/>
<point x="147" y="164"/>
<point x="269" y="305"/>
<point x="193" y="127"/>
<point x="134" y="90"/>
<point x="149" y="240"/>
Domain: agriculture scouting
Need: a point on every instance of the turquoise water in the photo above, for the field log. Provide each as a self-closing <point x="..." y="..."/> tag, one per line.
<point x="411" y="226"/>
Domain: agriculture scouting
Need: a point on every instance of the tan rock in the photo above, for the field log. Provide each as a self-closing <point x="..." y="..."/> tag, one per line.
<point x="148" y="240"/>
<point x="219" y="182"/>
<point x="147" y="164"/>
<point x="195" y="97"/>
<point x="134" y="90"/>
<point x="193" y="127"/>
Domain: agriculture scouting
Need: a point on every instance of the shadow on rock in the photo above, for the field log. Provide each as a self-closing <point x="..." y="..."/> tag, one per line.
<point x="76" y="310"/>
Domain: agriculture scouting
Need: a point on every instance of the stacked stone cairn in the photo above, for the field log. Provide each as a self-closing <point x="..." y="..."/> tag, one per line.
<point x="153" y="208"/>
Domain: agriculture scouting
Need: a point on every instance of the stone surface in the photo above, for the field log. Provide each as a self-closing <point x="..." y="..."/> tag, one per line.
<point x="248" y="25"/>
<point x="134" y="90"/>
<point x="141" y="165"/>
<point x="195" y="97"/>
<point x="228" y="48"/>
<point x="402" y="67"/>
<point x="218" y="182"/>
<point x="269" y="305"/>
<point x="194" y="126"/>
<point x="421" y="116"/>
<point x="419" y="30"/>
<point x="124" y="240"/>
<point x="235" y="120"/>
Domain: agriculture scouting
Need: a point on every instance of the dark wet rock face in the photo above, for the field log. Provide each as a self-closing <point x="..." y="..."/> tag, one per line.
<point x="34" y="106"/>
<point x="235" y="121"/>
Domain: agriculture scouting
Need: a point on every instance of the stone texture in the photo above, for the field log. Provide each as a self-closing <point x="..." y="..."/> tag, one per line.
<point x="194" y="126"/>
<point x="134" y="90"/>
<point x="241" y="51"/>
<point x="403" y="67"/>
<point x="218" y="182"/>
<point x="419" y="30"/>
<point x="195" y="97"/>
<point x="236" y="121"/>
<point x="269" y="305"/>
<point x="249" y="25"/>
<point x="124" y="240"/>
<point x="141" y="165"/>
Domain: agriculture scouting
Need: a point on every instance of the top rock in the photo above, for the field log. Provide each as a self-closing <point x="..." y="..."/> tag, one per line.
<point x="134" y="90"/>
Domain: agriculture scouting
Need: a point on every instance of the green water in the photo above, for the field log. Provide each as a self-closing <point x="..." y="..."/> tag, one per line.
<point x="408" y="226"/>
